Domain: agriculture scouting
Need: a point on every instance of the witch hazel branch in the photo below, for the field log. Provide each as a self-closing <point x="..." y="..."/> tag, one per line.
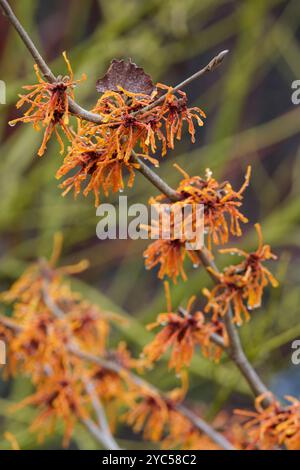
<point x="61" y="340"/>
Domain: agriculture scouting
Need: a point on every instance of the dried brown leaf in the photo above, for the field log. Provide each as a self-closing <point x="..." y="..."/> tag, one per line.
<point x="127" y="75"/>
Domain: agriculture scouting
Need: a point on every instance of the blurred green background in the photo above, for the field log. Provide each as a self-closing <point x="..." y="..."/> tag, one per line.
<point x="251" y="120"/>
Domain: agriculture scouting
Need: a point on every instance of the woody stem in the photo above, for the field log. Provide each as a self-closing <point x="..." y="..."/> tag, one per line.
<point x="156" y="180"/>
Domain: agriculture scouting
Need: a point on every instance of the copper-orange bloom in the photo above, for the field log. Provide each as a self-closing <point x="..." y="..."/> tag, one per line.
<point x="221" y="216"/>
<point x="270" y="427"/>
<point x="175" y="111"/>
<point x="241" y="285"/>
<point x="150" y="415"/>
<point x="221" y="204"/>
<point x="181" y="331"/>
<point x="256" y="274"/>
<point x="96" y="164"/>
<point x="59" y="397"/>
<point x="169" y="255"/>
<point x="102" y="153"/>
<point x="49" y="106"/>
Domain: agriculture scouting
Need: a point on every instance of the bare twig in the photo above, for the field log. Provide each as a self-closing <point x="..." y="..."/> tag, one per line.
<point x="213" y="64"/>
<point x="27" y="41"/>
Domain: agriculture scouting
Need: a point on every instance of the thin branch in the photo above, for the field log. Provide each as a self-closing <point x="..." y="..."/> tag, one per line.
<point x="212" y="65"/>
<point x="52" y="306"/>
<point x="108" y="439"/>
<point x="98" y="434"/>
<point x="153" y="177"/>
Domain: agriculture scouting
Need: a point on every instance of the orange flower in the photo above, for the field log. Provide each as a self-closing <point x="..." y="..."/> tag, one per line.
<point x="256" y="274"/>
<point x="122" y="128"/>
<point x="220" y="202"/>
<point x="182" y="331"/>
<point x="174" y="111"/>
<point x="115" y="384"/>
<point x="132" y="119"/>
<point x="49" y="105"/>
<point x="89" y="325"/>
<point x="172" y="229"/>
<point x="275" y="425"/>
<point x="150" y="413"/>
<point x="244" y="282"/>
<point x="170" y="255"/>
<point x="230" y="289"/>
<point x="42" y="342"/>
<point x="98" y="163"/>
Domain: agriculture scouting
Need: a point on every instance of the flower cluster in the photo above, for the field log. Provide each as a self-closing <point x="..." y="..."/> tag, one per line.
<point x="102" y="152"/>
<point x="60" y="396"/>
<point x="241" y="285"/>
<point x="131" y="117"/>
<point x="222" y="216"/>
<point x="275" y="425"/>
<point x="221" y="204"/>
<point x="49" y="106"/>
<point x="181" y="331"/>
